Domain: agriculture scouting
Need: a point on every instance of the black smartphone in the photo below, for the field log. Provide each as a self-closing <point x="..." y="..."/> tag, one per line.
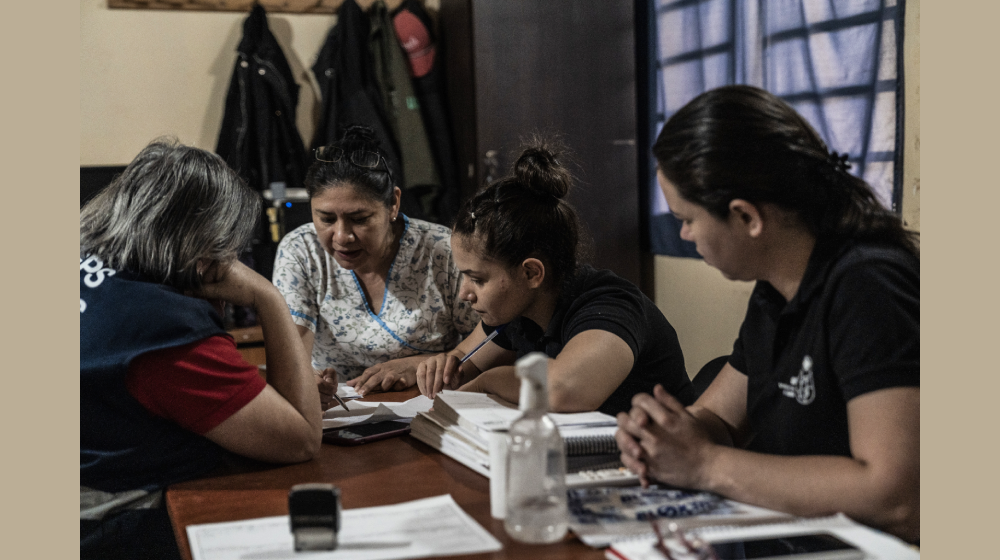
<point x="364" y="433"/>
<point x="815" y="546"/>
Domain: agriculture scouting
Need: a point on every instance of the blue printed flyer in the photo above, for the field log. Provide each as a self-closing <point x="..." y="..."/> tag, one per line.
<point x="605" y="515"/>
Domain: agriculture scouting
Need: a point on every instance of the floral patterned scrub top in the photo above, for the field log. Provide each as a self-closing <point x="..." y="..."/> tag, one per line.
<point x="421" y="310"/>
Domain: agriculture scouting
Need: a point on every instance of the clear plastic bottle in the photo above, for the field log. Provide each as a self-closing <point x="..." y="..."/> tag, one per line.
<point x="536" y="462"/>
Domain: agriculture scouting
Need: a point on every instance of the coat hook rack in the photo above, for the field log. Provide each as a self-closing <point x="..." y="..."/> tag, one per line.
<point x="272" y="6"/>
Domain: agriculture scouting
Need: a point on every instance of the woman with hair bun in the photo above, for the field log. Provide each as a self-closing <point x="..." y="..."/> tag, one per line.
<point x="516" y="245"/>
<point x="818" y="409"/>
<point x="372" y="291"/>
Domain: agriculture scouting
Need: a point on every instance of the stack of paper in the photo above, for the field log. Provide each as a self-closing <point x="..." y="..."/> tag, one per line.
<point x="360" y="412"/>
<point x="461" y="424"/>
<point x="463" y="445"/>
<point x="488" y="413"/>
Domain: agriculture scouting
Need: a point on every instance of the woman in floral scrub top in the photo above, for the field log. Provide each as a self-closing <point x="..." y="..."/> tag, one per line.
<point x="373" y="293"/>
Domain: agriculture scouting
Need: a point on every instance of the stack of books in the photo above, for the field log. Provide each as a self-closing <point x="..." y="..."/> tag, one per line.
<point x="460" y="425"/>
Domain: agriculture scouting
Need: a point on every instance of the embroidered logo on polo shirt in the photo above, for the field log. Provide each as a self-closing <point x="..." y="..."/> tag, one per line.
<point x="801" y="387"/>
<point x="96" y="272"/>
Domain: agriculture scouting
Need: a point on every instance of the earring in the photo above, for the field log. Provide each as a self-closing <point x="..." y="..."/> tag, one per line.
<point x="393" y="219"/>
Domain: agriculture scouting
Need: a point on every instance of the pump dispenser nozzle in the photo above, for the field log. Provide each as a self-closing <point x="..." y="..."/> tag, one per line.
<point x="533" y="370"/>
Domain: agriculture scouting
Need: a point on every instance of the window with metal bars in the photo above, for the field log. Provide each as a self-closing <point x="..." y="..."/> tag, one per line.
<point x="837" y="62"/>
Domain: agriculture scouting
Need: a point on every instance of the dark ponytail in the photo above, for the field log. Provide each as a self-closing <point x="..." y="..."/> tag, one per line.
<point x="524" y="215"/>
<point x="741" y="142"/>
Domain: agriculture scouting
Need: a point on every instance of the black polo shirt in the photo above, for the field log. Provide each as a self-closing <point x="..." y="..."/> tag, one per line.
<point x="598" y="299"/>
<point x="853" y="327"/>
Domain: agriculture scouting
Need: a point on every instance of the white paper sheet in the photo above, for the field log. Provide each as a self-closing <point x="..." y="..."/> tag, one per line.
<point x="490" y="415"/>
<point x="429" y="527"/>
<point x="361" y="412"/>
<point x="347" y="392"/>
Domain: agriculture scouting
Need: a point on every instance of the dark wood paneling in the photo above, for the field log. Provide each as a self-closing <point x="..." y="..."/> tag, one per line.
<point x="559" y="68"/>
<point x="455" y="23"/>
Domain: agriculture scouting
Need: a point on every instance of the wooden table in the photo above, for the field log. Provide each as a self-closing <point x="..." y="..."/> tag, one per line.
<point x="250" y="343"/>
<point x="381" y="473"/>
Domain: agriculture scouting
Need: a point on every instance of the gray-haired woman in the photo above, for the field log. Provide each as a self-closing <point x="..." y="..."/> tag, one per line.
<point x="164" y="394"/>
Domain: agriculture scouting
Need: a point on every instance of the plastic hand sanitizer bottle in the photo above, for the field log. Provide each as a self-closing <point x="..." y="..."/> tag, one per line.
<point x="536" y="462"/>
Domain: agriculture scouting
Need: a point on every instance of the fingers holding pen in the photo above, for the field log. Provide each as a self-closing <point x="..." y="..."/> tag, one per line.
<point x="438" y="372"/>
<point x="451" y="377"/>
<point x="326" y="383"/>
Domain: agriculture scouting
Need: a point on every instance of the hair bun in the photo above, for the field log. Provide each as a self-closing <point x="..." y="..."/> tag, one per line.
<point x="360" y="135"/>
<point x="538" y="170"/>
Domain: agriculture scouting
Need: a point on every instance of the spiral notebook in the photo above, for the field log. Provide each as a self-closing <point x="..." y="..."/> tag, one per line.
<point x="436" y="431"/>
<point x="591" y="440"/>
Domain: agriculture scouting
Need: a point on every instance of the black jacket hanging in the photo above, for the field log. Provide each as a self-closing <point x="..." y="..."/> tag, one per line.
<point x="350" y="93"/>
<point x="402" y="109"/>
<point x="414" y="29"/>
<point x="259" y="138"/>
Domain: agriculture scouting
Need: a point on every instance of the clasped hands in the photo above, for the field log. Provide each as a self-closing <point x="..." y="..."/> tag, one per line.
<point x="660" y="440"/>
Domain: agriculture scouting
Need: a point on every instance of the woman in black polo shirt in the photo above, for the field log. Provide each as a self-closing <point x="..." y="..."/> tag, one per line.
<point x="818" y="409"/>
<point x="515" y="243"/>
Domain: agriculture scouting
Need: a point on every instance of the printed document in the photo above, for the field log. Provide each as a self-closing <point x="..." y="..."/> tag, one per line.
<point x="360" y="412"/>
<point x="429" y="527"/>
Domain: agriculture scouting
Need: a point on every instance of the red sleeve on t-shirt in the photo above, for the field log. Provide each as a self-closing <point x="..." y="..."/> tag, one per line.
<point x="198" y="385"/>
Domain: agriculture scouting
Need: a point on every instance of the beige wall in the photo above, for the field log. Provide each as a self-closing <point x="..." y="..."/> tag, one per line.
<point x="146" y="73"/>
<point x="706" y="309"/>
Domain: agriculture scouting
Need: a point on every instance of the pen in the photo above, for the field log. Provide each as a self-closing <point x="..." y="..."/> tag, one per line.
<point x="341" y="401"/>
<point x="481" y="344"/>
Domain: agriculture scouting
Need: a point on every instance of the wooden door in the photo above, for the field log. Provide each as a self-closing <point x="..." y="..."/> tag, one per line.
<point x="553" y="67"/>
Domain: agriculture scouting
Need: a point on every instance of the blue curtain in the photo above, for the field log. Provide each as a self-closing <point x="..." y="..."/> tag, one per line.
<point x="837" y="62"/>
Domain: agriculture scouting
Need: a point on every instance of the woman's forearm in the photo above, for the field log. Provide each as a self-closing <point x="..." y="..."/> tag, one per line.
<point x="817" y="485"/>
<point x="878" y="484"/>
<point x="289" y="369"/>
<point x="499" y="381"/>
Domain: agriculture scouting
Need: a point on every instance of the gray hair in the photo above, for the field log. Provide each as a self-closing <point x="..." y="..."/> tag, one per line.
<point x="173" y="206"/>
